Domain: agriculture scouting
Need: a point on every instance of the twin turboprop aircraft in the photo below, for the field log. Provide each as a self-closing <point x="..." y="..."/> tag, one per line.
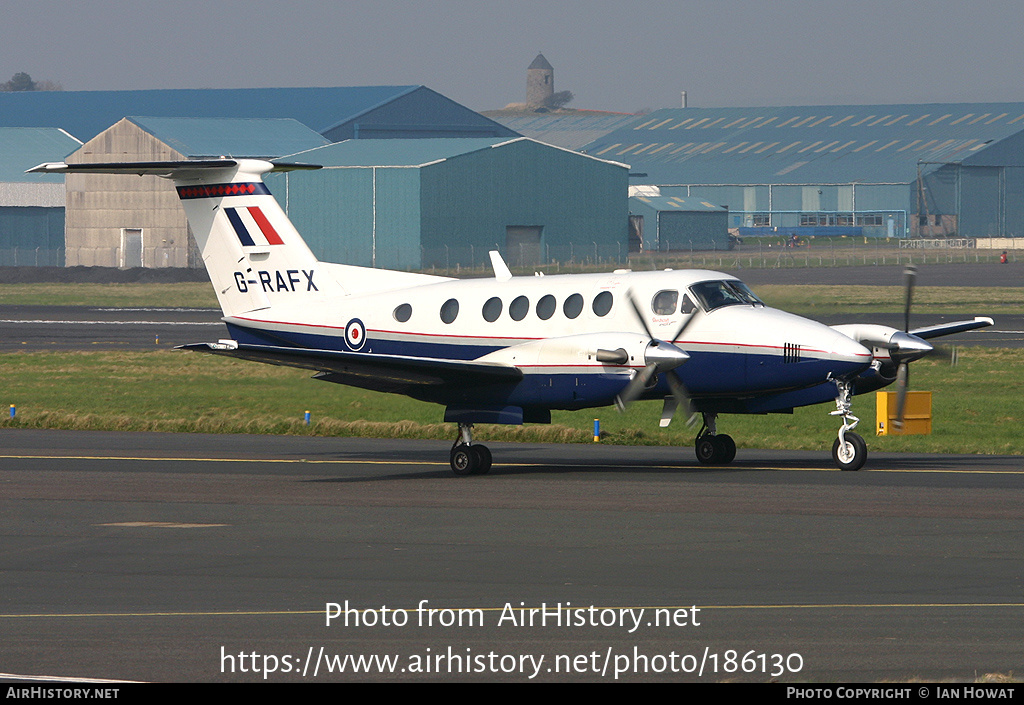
<point x="508" y="350"/>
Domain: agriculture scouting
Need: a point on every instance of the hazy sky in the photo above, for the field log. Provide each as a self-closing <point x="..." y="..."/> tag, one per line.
<point x="620" y="56"/>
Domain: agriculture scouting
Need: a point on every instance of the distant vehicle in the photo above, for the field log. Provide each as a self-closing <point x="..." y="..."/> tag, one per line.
<point x="508" y="350"/>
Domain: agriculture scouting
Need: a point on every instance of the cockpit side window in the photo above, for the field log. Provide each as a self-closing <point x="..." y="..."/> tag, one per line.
<point x="664" y="302"/>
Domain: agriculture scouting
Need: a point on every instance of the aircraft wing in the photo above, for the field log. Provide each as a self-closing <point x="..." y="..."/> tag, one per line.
<point x="379" y="372"/>
<point x="952" y="327"/>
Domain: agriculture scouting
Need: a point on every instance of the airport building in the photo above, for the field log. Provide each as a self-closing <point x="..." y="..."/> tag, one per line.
<point x="672" y="223"/>
<point x="935" y="170"/>
<point x="32" y="205"/>
<point x="411" y="204"/>
<point x="930" y="171"/>
<point x="121" y="221"/>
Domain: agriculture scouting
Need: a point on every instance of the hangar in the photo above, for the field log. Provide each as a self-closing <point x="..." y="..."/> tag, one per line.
<point x="32" y="205"/>
<point x="102" y="230"/>
<point x="672" y="223"/>
<point x="411" y="204"/>
<point x="931" y="170"/>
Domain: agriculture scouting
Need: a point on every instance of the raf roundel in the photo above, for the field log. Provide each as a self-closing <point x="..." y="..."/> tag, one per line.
<point x="355" y="334"/>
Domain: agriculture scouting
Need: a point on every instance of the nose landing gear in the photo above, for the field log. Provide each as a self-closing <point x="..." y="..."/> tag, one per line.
<point x="849" y="450"/>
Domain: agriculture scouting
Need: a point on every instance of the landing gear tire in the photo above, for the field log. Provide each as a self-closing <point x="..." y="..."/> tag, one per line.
<point x="728" y="447"/>
<point x="707" y="450"/>
<point x="852" y="454"/>
<point x="464" y="460"/>
<point x="470" y="460"/>
<point x="483" y="457"/>
<point x="715" y="450"/>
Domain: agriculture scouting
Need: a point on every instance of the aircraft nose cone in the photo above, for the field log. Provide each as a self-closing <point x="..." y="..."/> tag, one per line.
<point x="665" y="356"/>
<point x="907" y="347"/>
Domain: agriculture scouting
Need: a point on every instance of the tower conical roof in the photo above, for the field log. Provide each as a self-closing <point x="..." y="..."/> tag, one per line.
<point x="541" y="63"/>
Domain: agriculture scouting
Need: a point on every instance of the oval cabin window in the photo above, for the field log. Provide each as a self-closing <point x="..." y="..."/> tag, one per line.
<point x="449" y="310"/>
<point x="403" y="313"/>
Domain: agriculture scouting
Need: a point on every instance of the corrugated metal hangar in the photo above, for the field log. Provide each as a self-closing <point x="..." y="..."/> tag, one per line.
<point x="126" y="221"/>
<point x="936" y="170"/>
<point x="31" y="205"/>
<point x="410" y="204"/>
<point x="671" y="223"/>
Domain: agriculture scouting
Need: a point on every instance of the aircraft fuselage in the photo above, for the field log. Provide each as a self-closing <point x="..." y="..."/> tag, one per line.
<point x="551" y="327"/>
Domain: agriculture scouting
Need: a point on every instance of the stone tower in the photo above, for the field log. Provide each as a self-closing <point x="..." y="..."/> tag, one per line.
<point x="540" y="82"/>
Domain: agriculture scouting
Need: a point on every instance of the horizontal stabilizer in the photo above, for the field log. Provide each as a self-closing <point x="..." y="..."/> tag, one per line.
<point x="173" y="170"/>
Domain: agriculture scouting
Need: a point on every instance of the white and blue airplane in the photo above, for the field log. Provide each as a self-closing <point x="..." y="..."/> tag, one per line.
<point x="509" y="349"/>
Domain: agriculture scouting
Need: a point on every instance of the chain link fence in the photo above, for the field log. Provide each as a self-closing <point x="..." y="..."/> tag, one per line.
<point x="31" y="257"/>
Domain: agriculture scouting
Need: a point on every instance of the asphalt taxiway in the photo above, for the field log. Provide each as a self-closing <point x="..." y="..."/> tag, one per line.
<point x="211" y="558"/>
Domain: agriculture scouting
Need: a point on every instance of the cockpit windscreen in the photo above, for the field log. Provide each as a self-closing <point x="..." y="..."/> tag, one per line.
<point x="728" y="292"/>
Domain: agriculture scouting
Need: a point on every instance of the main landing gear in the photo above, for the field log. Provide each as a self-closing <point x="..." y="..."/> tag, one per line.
<point x="850" y="450"/>
<point x="714" y="448"/>
<point x="468" y="458"/>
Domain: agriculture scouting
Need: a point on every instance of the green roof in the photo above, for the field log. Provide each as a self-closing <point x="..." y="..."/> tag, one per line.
<point x="572" y="129"/>
<point x="22" y="148"/>
<point x="333" y="112"/>
<point x="376" y="152"/>
<point x="231" y="137"/>
<point x="87" y="113"/>
<point x="811" y="144"/>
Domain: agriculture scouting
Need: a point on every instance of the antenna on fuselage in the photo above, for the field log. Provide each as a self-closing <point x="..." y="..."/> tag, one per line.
<point x="501" y="271"/>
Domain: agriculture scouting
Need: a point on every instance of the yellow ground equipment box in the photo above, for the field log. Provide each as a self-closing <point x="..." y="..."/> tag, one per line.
<point x="917" y="415"/>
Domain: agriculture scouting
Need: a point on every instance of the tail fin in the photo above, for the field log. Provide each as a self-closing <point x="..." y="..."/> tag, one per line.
<point x="254" y="256"/>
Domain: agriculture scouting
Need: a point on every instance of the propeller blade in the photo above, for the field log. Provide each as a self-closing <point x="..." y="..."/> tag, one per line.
<point x="909" y="278"/>
<point x="683" y="326"/>
<point x="902" y="382"/>
<point x="639" y="314"/>
<point x="635" y="387"/>
<point x="668" y="410"/>
<point x="661" y="356"/>
<point x="638" y="311"/>
<point x="681" y="399"/>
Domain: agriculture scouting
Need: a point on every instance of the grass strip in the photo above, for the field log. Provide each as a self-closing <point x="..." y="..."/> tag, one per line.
<point x="975" y="405"/>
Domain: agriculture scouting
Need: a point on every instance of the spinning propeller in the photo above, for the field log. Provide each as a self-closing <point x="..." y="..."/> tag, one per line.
<point x="906" y="347"/>
<point x="660" y="357"/>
